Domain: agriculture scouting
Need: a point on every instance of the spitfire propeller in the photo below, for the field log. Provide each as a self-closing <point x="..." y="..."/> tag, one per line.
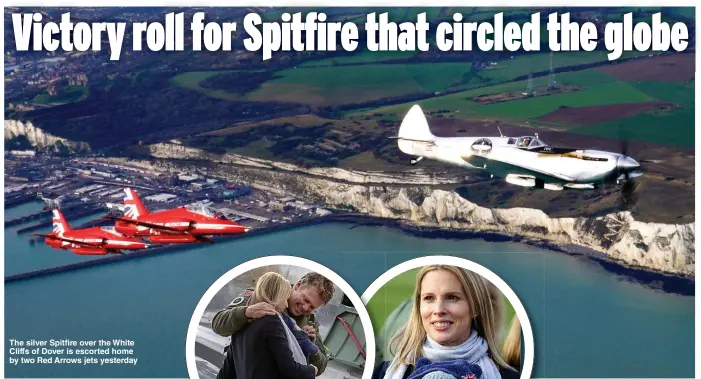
<point x="626" y="167"/>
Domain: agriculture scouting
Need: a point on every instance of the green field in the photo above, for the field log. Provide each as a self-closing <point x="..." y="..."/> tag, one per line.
<point x="68" y="94"/>
<point x="457" y="103"/>
<point x="338" y="85"/>
<point x="670" y="92"/>
<point x="581" y="78"/>
<point x="523" y="65"/>
<point x="460" y="104"/>
<point x="672" y="127"/>
<point x="362" y="57"/>
<point x="191" y="81"/>
<point x="503" y="71"/>
<point x="599" y="94"/>
<point x="342" y="85"/>
<point x="668" y="127"/>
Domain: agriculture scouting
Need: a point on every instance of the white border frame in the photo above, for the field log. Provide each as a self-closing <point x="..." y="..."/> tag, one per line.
<point x="401" y="268"/>
<point x="279" y="260"/>
<point x="394" y="3"/>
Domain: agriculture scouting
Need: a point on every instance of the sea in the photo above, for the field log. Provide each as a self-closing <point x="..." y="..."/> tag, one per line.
<point x="589" y="319"/>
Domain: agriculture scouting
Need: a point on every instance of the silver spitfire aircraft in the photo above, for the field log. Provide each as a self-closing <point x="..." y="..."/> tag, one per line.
<point x="526" y="161"/>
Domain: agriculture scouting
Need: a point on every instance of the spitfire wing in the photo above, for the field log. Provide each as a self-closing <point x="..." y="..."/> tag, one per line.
<point x="147" y="224"/>
<point x="502" y="169"/>
<point x="432" y="143"/>
<point x="548" y="177"/>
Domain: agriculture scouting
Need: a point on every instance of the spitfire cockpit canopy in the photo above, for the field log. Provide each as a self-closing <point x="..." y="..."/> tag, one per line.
<point x="527" y="142"/>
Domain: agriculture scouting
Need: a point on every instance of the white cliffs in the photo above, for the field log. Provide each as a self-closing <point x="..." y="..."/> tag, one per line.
<point x="175" y="150"/>
<point x="657" y="245"/>
<point x="40" y="139"/>
<point x="662" y="247"/>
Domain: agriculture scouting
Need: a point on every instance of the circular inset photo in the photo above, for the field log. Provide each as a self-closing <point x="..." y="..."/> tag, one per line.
<point x="280" y="317"/>
<point x="443" y="317"/>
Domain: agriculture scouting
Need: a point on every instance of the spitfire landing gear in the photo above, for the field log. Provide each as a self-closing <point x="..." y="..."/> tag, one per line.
<point x="539" y="183"/>
<point x="416" y="160"/>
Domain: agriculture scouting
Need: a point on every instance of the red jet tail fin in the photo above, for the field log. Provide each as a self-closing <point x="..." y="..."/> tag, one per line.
<point x="133" y="205"/>
<point x="60" y="224"/>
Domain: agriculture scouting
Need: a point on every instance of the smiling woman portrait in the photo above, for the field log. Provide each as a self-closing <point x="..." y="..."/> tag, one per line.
<point x="452" y="332"/>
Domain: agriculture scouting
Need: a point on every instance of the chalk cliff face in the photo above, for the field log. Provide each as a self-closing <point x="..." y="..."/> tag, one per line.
<point x="40" y="139"/>
<point x="174" y="150"/>
<point x="661" y="247"/>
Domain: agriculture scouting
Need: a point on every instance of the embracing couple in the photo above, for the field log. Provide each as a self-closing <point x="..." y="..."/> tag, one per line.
<point x="274" y="332"/>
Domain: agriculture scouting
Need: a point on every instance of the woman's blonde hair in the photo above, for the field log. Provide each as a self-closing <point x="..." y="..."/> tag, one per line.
<point x="484" y="301"/>
<point x="271" y="288"/>
<point x="512" y="344"/>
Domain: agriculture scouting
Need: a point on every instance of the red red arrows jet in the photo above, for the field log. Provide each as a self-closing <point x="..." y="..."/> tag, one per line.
<point x="179" y="225"/>
<point x="90" y="241"/>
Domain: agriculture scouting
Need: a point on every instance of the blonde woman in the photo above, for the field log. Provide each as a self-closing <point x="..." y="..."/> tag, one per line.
<point x="452" y="330"/>
<point x="266" y="348"/>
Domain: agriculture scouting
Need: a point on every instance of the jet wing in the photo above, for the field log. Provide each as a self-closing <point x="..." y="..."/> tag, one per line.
<point x="147" y="224"/>
<point x="86" y="244"/>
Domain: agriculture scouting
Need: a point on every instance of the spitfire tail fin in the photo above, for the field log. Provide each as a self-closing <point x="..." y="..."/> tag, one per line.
<point x="59" y="222"/>
<point x="133" y="207"/>
<point x="415" y="127"/>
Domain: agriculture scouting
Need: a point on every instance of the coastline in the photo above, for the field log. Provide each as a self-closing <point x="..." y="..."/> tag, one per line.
<point x="657" y="280"/>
